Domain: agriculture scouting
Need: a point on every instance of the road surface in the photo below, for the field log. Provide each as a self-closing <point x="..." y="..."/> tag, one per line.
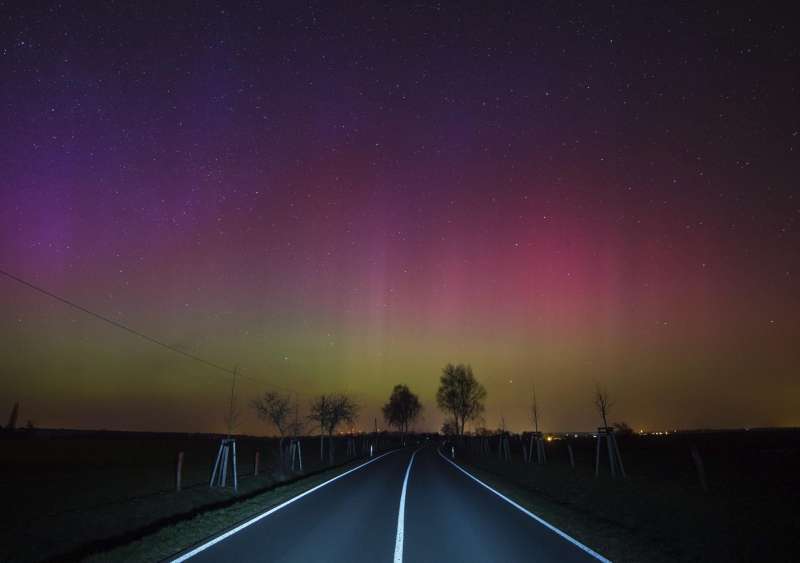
<point x="396" y="509"/>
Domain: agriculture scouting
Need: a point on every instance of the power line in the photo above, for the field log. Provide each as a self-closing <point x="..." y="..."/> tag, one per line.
<point x="114" y="323"/>
<point x="135" y="332"/>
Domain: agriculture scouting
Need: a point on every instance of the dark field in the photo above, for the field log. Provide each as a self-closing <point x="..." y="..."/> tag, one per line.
<point x="69" y="494"/>
<point x="661" y="512"/>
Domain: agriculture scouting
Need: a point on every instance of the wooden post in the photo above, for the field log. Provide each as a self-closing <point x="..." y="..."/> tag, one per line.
<point x="255" y="470"/>
<point x="611" y="457"/>
<point x="224" y="475"/>
<point x="299" y="456"/>
<point x="619" y="457"/>
<point x="216" y="466"/>
<point x="597" y="457"/>
<point x="698" y="465"/>
<point x="235" y="475"/>
<point x="571" y="457"/>
<point x="178" y="470"/>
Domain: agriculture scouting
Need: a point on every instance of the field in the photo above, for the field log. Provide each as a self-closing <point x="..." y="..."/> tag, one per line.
<point x="69" y="494"/>
<point x="661" y="511"/>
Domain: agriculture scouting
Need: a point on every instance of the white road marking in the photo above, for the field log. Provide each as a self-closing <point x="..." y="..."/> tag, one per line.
<point x="255" y="519"/>
<point x="547" y="525"/>
<point x="401" y="514"/>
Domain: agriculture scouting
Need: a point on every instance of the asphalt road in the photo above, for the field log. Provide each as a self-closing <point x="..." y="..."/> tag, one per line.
<point x="447" y="517"/>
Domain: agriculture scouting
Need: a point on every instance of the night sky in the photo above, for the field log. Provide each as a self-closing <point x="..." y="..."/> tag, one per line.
<point x="343" y="197"/>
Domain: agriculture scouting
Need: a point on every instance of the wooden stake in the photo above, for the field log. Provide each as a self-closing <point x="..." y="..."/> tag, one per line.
<point x="571" y="457"/>
<point x="235" y="476"/>
<point x="701" y="472"/>
<point x="619" y="457"/>
<point x="597" y="458"/>
<point x="178" y="471"/>
<point x="611" y="457"/>
<point x="255" y="471"/>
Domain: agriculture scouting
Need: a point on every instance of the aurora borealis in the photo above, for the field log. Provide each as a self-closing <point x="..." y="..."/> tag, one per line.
<point x="340" y="198"/>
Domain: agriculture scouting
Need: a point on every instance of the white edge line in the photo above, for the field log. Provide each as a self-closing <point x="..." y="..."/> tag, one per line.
<point x="398" y="544"/>
<point x="255" y="519"/>
<point x="547" y="525"/>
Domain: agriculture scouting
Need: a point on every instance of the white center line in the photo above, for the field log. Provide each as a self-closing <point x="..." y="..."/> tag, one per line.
<point x="398" y="544"/>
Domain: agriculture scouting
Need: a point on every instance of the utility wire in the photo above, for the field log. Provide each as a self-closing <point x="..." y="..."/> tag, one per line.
<point x="130" y="330"/>
<point x="115" y="323"/>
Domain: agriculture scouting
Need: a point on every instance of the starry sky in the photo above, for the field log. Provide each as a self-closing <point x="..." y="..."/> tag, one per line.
<point x="340" y="197"/>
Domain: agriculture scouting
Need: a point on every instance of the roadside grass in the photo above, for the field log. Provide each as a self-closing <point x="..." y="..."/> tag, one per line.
<point x="170" y="540"/>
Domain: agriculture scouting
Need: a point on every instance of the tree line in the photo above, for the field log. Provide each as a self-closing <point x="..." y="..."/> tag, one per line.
<point x="460" y="396"/>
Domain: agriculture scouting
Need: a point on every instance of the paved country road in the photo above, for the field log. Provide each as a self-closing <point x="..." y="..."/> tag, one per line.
<point x="407" y="505"/>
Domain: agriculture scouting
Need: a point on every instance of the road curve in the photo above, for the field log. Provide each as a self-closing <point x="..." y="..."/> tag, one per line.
<point x="446" y="516"/>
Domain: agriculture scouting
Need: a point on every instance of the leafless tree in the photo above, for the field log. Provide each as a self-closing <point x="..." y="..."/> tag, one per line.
<point x="603" y="402"/>
<point x="277" y="409"/>
<point x="232" y="416"/>
<point x="460" y="395"/>
<point x="534" y="409"/>
<point x="329" y="411"/>
<point x="449" y="427"/>
<point x="296" y="426"/>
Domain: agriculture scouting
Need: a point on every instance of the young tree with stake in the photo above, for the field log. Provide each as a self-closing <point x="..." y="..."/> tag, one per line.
<point x="275" y="408"/>
<point x="329" y="411"/>
<point x="603" y="402"/>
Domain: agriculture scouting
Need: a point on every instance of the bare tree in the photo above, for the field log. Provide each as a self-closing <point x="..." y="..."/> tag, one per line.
<point x="460" y="395"/>
<point x="232" y="416"/>
<point x="622" y="428"/>
<point x="296" y="426"/>
<point x="603" y="402"/>
<point x="402" y="409"/>
<point x="534" y="409"/>
<point x="449" y="427"/>
<point x="277" y="409"/>
<point x="329" y="411"/>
